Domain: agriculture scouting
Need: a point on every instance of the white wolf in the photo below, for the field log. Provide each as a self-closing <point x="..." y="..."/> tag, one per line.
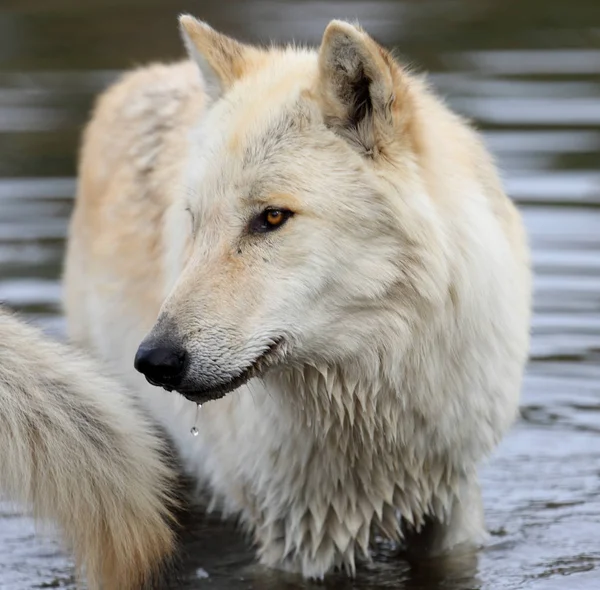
<point x="76" y="450"/>
<point x="315" y="248"/>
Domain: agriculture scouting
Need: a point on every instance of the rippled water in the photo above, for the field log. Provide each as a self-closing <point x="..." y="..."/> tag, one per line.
<point x="528" y="73"/>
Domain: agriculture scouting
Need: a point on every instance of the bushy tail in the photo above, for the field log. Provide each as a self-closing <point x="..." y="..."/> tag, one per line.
<point x="75" y="449"/>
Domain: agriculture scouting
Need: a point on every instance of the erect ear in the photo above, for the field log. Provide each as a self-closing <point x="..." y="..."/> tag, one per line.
<point x="221" y="59"/>
<point x="358" y="82"/>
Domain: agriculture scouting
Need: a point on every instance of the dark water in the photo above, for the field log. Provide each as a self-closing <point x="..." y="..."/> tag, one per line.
<point x="528" y="73"/>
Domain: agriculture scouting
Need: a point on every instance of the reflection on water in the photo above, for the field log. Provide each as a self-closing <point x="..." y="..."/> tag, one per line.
<point x="528" y="74"/>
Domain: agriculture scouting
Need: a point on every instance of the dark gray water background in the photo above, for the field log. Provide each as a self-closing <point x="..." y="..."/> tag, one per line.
<point x="528" y="73"/>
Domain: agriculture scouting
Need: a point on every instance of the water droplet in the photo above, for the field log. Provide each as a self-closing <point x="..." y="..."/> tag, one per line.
<point x="194" y="430"/>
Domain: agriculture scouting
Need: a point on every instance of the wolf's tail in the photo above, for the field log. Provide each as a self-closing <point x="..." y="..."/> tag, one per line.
<point x="75" y="449"/>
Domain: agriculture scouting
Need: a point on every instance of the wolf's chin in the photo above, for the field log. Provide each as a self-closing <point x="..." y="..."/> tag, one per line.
<point x="273" y="354"/>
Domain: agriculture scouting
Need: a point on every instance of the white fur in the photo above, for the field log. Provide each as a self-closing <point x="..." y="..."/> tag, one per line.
<point x="401" y="287"/>
<point x="77" y="452"/>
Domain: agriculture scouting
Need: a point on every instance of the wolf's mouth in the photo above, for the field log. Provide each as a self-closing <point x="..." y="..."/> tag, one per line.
<point x="257" y="368"/>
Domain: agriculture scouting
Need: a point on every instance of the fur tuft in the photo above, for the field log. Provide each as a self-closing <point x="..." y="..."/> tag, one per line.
<point x="79" y="453"/>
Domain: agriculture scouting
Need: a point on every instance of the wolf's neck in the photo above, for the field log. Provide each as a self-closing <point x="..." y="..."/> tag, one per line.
<point x="335" y="398"/>
<point x="365" y="432"/>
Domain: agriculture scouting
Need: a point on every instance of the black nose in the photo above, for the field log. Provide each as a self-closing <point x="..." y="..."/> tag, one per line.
<point x="161" y="365"/>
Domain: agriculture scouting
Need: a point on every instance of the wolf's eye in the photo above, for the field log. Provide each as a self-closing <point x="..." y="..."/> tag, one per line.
<point x="270" y="219"/>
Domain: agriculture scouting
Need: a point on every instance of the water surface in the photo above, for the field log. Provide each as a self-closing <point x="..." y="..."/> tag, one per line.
<point x="528" y="74"/>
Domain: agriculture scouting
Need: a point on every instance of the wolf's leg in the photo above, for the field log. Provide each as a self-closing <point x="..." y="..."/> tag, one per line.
<point x="463" y="531"/>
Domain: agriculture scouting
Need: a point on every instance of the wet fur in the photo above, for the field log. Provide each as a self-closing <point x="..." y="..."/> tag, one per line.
<point x="405" y="305"/>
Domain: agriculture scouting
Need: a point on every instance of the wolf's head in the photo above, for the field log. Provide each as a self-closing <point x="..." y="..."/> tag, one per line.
<point x="306" y="213"/>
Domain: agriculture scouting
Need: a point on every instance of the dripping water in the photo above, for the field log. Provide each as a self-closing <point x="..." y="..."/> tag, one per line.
<point x="194" y="430"/>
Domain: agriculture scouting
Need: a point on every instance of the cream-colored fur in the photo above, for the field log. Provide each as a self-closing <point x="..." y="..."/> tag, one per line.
<point x="398" y="293"/>
<point x="77" y="452"/>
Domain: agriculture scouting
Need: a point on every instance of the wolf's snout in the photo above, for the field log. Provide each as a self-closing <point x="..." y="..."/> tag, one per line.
<point x="161" y="365"/>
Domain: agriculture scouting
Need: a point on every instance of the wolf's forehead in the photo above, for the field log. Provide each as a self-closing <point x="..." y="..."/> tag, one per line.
<point x="257" y="133"/>
<point x="267" y="107"/>
<point x="249" y="164"/>
<point x="271" y="137"/>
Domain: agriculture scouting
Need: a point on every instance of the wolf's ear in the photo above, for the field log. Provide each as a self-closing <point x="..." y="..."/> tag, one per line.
<point x="221" y="59"/>
<point x="358" y="80"/>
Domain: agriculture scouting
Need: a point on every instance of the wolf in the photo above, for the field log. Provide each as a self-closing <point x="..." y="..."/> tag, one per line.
<point x="315" y="258"/>
<point x="78" y="452"/>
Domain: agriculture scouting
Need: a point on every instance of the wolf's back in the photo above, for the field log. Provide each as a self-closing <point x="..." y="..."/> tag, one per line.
<point x="76" y="450"/>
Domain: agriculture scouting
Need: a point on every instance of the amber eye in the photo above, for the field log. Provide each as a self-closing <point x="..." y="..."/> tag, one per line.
<point x="274" y="217"/>
<point x="269" y="220"/>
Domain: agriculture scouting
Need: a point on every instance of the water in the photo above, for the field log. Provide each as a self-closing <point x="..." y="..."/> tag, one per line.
<point x="528" y="73"/>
